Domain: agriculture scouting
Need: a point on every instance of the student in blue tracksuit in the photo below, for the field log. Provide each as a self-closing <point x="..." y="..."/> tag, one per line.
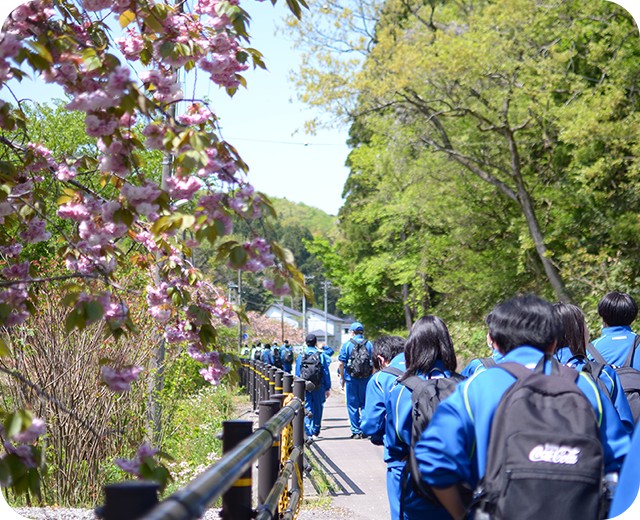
<point x="453" y="448"/>
<point x="429" y="353"/>
<point x="267" y="355"/>
<point x="573" y="352"/>
<point x="286" y="353"/>
<point x="617" y="310"/>
<point x="476" y="364"/>
<point x="356" y="387"/>
<point x="388" y="353"/>
<point x="629" y="482"/>
<point x="314" y="400"/>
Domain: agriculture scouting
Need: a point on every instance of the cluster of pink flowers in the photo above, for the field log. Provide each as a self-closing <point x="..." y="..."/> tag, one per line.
<point x="119" y="379"/>
<point x="259" y="254"/>
<point x="196" y="114"/>
<point x="103" y="89"/>
<point x="21" y="444"/>
<point x="132" y="466"/>
<point x="142" y="198"/>
<point x="246" y="203"/>
<point x="183" y="187"/>
<point x="159" y="302"/>
<point x="215" y="369"/>
<point x="166" y="86"/>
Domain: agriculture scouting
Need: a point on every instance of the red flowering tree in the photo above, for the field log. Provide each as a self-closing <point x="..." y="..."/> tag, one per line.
<point x="102" y="210"/>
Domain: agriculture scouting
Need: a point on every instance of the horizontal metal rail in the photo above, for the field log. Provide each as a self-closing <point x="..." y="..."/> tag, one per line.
<point x="191" y="501"/>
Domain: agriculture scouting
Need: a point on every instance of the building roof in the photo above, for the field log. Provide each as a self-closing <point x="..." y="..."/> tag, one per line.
<point x="285" y="309"/>
<point x="329" y="316"/>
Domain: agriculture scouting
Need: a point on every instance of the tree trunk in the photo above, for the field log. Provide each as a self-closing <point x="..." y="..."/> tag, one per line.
<point x="532" y="222"/>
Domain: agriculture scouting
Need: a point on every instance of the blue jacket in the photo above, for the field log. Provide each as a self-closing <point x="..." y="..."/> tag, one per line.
<point x="325" y="383"/>
<point x="454" y="446"/>
<point x="374" y="414"/>
<point x="629" y="482"/>
<point x="398" y="441"/>
<point x="615" y="343"/>
<point x="611" y="381"/>
<point x="267" y="356"/>
<point x="475" y="364"/>
<point x="345" y="352"/>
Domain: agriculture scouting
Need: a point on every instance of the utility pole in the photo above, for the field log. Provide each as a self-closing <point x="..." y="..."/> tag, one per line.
<point x="304" y="305"/>
<point x="239" y="306"/>
<point x="326" y="284"/>
<point x="281" y="320"/>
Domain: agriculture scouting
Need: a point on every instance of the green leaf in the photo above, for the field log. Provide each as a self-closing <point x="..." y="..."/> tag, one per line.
<point x="93" y="311"/>
<point x="126" y="18"/>
<point x="238" y="256"/>
<point x="13" y="424"/>
<point x="4" y="349"/>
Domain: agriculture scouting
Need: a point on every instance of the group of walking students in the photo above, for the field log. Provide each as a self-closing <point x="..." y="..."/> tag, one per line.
<point x="541" y="429"/>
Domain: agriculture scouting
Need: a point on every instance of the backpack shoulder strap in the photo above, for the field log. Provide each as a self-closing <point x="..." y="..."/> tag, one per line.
<point x="392" y="370"/>
<point x="412" y="382"/>
<point x="629" y="360"/>
<point x="595" y="354"/>
<point x="488" y="362"/>
<point x="515" y="369"/>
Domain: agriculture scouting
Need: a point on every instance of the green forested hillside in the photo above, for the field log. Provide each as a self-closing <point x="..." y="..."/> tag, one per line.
<point x="315" y="220"/>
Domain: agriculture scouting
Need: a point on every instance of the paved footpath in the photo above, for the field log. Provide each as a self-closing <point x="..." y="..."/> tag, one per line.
<point x="354" y="465"/>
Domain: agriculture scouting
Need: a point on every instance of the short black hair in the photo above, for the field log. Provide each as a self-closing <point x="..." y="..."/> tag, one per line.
<point x="429" y="341"/>
<point x="574" y="328"/>
<point x="524" y="320"/>
<point x="388" y="347"/>
<point x="617" y="308"/>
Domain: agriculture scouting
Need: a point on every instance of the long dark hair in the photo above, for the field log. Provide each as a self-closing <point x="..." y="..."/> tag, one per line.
<point x="429" y="341"/>
<point x="574" y="328"/>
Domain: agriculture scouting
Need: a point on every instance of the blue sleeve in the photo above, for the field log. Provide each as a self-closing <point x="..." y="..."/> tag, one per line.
<point x="374" y="413"/>
<point x="326" y="374"/>
<point x="612" y="381"/>
<point x="445" y="449"/>
<point x="614" y="438"/>
<point x="471" y="368"/>
<point x="298" y="361"/>
<point x="629" y="482"/>
<point x="343" y="356"/>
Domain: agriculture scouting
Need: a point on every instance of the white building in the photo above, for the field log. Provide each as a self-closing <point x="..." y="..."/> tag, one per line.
<point x="337" y="329"/>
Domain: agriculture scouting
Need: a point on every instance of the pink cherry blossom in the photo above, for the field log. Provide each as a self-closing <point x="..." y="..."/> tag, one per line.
<point x="35" y="232"/>
<point x="31" y="434"/>
<point x="119" y="379"/>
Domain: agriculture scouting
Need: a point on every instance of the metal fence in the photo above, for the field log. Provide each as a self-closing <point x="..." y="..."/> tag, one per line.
<point x="277" y="445"/>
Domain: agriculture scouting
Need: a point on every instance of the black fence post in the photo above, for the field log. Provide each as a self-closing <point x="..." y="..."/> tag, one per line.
<point x="278" y="380"/>
<point x="298" y="427"/>
<point x="236" y="502"/>
<point x="269" y="463"/>
<point x="128" y="500"/>
<point x="287" y="383"/>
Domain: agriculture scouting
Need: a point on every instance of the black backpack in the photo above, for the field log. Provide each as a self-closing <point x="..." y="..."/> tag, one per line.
<point x="629" y="377"/>
<point x="359" y="363"/>
<point x="311" y="368"/>
<point x="257" y="354"/>
<point x="545" y="459"/>
<point x="426" y="395"/>
<point x="277" y="359"/>
<point x="287" y="356"/>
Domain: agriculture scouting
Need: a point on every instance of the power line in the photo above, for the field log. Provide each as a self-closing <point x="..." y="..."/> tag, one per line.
<point x="281" y="142"/>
